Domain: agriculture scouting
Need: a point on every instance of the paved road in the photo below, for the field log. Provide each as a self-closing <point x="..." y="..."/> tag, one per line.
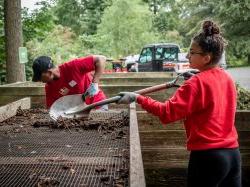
<point x="241" y="76"/>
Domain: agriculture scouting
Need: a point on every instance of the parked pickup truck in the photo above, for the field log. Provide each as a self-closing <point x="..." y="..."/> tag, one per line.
<point x="157" y="57"/>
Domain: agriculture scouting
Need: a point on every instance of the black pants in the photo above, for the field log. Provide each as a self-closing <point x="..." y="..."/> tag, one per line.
<point x="214" y="168"/>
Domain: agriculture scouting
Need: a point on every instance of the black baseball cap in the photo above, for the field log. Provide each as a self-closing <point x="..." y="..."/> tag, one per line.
<point x="40" y="65"/>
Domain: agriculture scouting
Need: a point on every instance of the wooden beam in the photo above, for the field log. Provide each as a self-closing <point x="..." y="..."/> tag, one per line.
<point x="136" y="175"/>
<point x="9" y="110"/>
<point x="158" y="157"/>
<point x="149" y="122"/>
<point x="140" y="74"/>
<point x="176" y="138"/>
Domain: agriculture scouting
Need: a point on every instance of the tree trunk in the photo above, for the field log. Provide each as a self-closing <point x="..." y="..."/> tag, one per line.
<point x="13" y="40"/>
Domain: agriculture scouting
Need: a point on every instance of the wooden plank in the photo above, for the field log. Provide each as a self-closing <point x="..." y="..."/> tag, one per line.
<point x="163" y="138"/>
<point x="148" y="121"/>
<point x="136" y="170"/>
<point x="9" y="110"/>
<point x="109" y="90"/>
<point x="166" y="138"/>
<point x="177" y="177"/>
<point x="242" y="120"/>
<point x="158" y="157"/>
<point x="12" y="84"/>
<point x="166" y="177"/>
<point x="36" y="101"/>
<point x="24" y="84"/>
<point x="21" y="91"/>
<point x="4" y="100"/>
<point x="140" y="74"/>
<point x="134" y="80"/>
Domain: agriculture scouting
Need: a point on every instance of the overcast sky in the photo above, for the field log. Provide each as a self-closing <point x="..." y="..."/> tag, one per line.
<point x="30" y="4"/>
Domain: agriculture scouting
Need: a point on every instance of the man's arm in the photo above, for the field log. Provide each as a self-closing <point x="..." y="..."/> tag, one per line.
<point x="99" y="66"/>
<point x="99" y="62"/>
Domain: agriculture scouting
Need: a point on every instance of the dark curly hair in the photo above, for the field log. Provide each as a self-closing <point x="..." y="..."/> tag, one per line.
<point x="210" y="40"/>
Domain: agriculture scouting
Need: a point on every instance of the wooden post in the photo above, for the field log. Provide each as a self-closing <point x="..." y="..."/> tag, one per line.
<point x="136" y="175"/>
<point x="9" y="110"/>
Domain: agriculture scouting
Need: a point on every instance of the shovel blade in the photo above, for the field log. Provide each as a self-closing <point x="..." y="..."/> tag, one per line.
<point x="76" y="109"/>
<point x="61" y="105"/>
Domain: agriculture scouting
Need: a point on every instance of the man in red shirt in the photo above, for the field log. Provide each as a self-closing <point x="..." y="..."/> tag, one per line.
<point x="73" y="77"/>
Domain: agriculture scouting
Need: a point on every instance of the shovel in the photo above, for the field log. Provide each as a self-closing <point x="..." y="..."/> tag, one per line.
<point x="69" y="107"/>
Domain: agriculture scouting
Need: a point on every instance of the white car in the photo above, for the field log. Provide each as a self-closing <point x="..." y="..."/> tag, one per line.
<point x="131" y="61"/>
<point x="183" y="64"/>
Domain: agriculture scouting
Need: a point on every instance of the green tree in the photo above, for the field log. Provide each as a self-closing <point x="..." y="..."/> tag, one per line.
<point x="125" y="28"/>
<point x="93" y="14"/>
<point x="236" y="23"/>
<point x="233" y="17"/>
<point x="38" y="23"/>
<point x="69" y="14"/>
<point x="82" y="16"/>
<point x="61" y="44"/>
<point x="166" y="19"/>
<point x="36" y="26"/>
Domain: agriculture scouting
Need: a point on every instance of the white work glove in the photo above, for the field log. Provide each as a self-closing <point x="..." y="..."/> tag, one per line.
<point x="92" y="90"/>
<point x="127" y="97"/>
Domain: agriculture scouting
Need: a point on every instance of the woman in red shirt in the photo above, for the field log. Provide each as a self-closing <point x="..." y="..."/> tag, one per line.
<point x="207" y="104"/>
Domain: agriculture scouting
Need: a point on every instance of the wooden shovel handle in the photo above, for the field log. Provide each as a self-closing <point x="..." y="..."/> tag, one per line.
<point x="103" y="102"/>
<point x="156" y="88"/>
<point x="141" y="92"/>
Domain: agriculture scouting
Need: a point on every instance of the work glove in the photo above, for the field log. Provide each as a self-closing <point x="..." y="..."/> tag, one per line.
<point x="127" y="97"/>
<point x="92" y="90"/>
<point x="188" y="74"/>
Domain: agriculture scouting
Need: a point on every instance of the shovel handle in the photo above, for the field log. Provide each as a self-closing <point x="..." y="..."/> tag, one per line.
<point x="103" y="102"/>
<point x="156" y="88"/>
<point x="141" y="92"/>
<point x="159" y="87"/>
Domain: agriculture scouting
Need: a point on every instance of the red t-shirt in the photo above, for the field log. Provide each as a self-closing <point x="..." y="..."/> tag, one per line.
<point x="207" y="104"/>
<point x="75" y="78"/>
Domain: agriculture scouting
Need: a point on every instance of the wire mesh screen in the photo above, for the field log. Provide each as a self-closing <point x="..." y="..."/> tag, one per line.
<point x="87" y="153"/>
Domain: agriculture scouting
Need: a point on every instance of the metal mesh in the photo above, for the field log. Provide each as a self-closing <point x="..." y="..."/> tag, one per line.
<point x="62" y="157"/>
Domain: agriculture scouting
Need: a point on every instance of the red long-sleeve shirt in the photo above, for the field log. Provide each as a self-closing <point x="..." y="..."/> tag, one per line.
<point x="207" y="103"/>
<point x="75" y="78"/>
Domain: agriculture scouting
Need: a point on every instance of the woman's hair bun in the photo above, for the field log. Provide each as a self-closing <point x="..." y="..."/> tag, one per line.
<point x="210" y="28"/>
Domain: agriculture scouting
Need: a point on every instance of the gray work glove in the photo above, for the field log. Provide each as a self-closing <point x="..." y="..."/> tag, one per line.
<point x="127" y="97"/>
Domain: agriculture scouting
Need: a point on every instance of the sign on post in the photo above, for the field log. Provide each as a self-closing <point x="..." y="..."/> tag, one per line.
<point x="23" y="55"/>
